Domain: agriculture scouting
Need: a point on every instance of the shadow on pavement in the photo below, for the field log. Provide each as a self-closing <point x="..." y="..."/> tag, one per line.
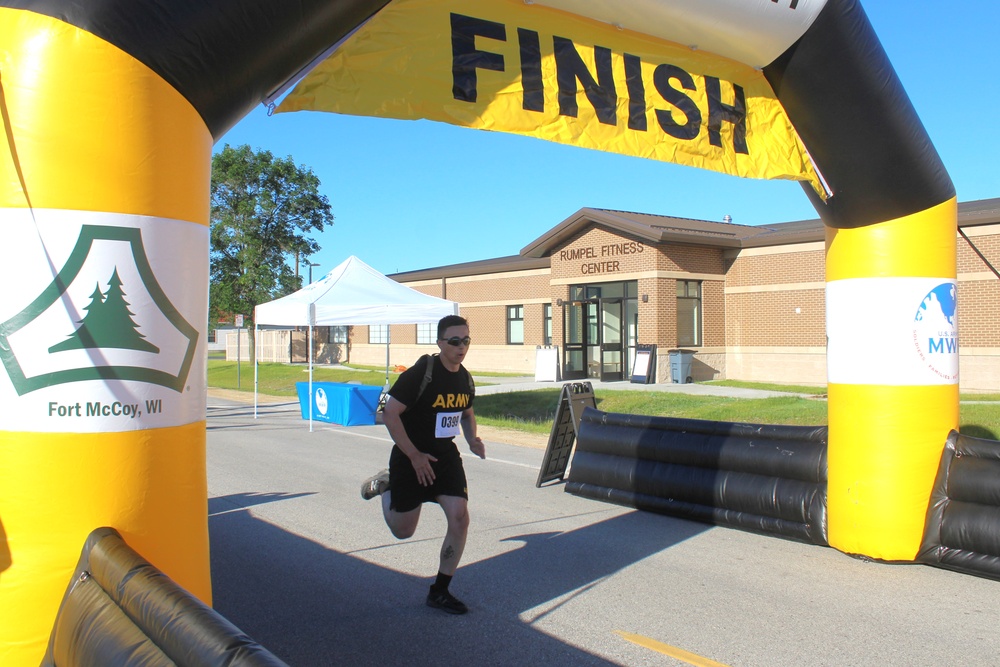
<point x="312" y="605"/>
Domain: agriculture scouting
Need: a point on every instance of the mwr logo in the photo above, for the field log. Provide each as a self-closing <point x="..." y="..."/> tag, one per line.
<point x="322" y="403"/>
<point x="935" y="334"/>
<point x="103" y="317"/>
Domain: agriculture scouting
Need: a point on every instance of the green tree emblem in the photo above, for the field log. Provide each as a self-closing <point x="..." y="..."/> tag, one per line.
<point x="108" y="323"/>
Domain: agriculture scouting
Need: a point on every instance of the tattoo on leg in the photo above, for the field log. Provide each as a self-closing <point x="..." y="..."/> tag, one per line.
<point x="448" y="552"/>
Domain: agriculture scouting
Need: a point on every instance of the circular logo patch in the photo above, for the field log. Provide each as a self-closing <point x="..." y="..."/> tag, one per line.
<point x="935" y="331"/>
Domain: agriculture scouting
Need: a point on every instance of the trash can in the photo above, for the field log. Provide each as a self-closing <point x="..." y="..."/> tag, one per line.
<point x="680" y="366"/>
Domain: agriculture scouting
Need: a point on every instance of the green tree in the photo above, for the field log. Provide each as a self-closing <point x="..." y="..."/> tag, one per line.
<point x="263" y="209"/>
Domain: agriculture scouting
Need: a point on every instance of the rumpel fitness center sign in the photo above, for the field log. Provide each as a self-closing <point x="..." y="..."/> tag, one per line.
<point x="604" y="251"/>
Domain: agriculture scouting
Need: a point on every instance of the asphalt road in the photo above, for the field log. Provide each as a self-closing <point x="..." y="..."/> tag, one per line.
<point x="308" y="569"/>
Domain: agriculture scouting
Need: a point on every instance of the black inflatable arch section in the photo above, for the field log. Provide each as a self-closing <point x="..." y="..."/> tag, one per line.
<point x="963" y="519"/>
<point x="763" y="478"/>
<point x="223" y="57"/>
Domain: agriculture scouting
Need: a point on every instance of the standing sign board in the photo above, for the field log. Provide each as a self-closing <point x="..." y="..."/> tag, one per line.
<point x="574" y="398"/>
<point x="644" y="366"/>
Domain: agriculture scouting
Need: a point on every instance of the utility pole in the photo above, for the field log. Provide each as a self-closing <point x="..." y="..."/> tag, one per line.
<point x="311" y="265"/>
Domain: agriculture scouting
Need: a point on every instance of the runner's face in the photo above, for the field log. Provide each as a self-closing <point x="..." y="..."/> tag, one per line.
<point x="451" y="353"/>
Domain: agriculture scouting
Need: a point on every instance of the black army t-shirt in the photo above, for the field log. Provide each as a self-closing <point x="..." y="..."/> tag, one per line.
<point x="434" y="421"/>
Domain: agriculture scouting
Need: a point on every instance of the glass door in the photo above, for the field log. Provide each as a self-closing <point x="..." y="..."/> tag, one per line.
<point x="574" y="343"/>
<point x="611" y="331"/>
<point x="582" y="341"/>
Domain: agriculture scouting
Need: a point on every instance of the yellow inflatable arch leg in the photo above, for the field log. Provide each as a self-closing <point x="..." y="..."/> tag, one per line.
<point x="890" y="299"/>
<point x="104" y="178"/>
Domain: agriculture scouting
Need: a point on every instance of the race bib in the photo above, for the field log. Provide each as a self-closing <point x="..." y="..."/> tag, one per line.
<point x="449" y="425"/>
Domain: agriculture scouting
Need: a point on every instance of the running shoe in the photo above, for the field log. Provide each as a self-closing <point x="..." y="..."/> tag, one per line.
<point x="375" y="485"/>
<point x="445" y="601"/>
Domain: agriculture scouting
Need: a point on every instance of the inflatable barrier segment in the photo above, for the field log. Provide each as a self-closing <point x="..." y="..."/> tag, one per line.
<point x="962" y="532"/>
<point x="121" y="610"/>
<point x="761" y="478"/>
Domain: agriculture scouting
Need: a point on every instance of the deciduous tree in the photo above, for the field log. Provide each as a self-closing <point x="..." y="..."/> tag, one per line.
<point x="263" y="211"/>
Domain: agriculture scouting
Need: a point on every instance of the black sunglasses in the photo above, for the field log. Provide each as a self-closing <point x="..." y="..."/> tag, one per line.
<point x="455" y="341"/>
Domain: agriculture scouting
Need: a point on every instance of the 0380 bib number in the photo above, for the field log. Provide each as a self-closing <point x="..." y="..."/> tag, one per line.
<point x="449" y="425"/>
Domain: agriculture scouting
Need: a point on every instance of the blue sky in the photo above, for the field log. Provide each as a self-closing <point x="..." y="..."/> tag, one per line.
<point x="415" y="194"/>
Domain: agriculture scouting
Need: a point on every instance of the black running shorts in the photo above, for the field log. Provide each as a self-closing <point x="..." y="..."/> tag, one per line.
<point x="408" y="494"/>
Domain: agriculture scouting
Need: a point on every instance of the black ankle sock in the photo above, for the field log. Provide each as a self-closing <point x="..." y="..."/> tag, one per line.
<point x="441" y="583"/>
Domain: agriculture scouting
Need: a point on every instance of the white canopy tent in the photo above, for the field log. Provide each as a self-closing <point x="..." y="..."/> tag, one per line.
<point x="353" y="293"/>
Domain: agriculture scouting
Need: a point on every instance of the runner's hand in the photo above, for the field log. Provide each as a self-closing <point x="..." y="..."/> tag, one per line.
<point x="478" y="447"/>
<point x="422" y="466"/>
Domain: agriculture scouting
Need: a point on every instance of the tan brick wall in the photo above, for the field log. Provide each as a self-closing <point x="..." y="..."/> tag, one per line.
<point x="775" y="326"/>
<point x="658" y="317"/>
<point x="506" y="287"/>
<point x="769" y="318"/>
<point x="979" y="290"/>
<point x="691" y="259"/>
<point x="713" y="307"/>
<point x="487" y="324"/>
<point x="987" y="241"/>
<point x="484" y="301"/>
<point x="776" y="268"/>
<point x="979" y="313"/>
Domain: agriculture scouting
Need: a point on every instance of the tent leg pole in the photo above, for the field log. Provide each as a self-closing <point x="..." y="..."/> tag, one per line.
<point x="310" y="378"/>
<point x="256" y="337"/>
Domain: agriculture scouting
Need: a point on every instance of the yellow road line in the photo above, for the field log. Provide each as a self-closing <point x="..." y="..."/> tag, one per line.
<point x="672" y="651"/>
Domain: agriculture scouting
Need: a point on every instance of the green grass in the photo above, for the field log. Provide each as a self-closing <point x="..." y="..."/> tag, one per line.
<point x="821" y="391"/>
<point x="791" y="388"/>
<point x="279" y="379"/>
<point x="533" y="411"/>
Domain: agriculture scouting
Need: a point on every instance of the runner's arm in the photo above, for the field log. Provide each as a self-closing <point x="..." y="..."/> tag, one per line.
<point x="469" y="428"/>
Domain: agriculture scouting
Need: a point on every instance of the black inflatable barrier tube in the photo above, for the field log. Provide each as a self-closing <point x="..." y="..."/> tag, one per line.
<point x="121" y="610"/>
<point x="962" y="531"/>
<point x="763" y="478"/>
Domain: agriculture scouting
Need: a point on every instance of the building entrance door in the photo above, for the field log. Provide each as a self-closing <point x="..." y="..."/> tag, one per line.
<point x="580" y="328"/>
<point x="611" y="325"/>
<point x="594" y="335"/>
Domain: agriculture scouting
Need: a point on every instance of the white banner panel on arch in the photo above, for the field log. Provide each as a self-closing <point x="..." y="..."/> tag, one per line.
<point x="892" y="331"/>
<point x="112" y="339"/>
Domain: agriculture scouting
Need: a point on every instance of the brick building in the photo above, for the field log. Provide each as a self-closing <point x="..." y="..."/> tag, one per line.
<point x="749" y="301"/>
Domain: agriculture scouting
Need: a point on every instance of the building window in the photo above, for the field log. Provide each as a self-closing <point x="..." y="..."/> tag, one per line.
<point x="426" y="333"/>
<point x="337" y="335"/>
<point x="515" y="325"/>
<point x="689" y="313"/>
<point x="547" y="324"/>
<point x="378" y="333"/>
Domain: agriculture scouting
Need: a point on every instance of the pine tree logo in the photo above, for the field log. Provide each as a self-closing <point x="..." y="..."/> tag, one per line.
<point x="108" y="323"/>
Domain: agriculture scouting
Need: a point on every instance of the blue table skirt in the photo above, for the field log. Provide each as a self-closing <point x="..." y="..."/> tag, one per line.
<point x="338" y="403"/>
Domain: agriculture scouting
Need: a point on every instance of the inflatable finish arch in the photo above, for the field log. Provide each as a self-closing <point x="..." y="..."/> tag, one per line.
<point x="110" y="111"/>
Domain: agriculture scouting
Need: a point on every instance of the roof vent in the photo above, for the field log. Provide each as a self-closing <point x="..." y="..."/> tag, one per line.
<point x="728" y="219"/>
